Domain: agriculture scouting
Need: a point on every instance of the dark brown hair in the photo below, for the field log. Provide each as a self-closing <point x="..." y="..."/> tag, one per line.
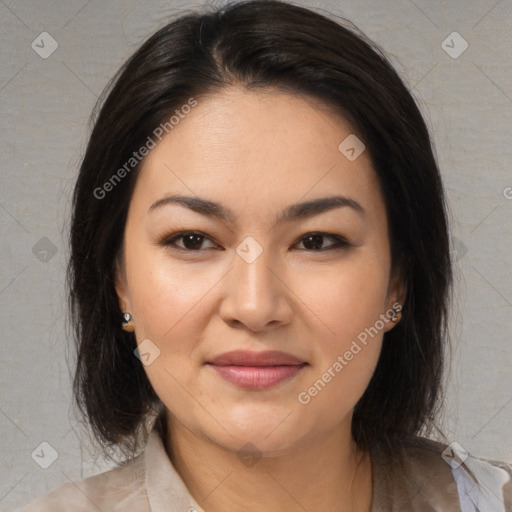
<point x="257" y="44"/>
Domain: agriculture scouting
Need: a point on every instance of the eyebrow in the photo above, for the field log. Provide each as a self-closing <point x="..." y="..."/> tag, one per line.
<point x="294" y="212"/>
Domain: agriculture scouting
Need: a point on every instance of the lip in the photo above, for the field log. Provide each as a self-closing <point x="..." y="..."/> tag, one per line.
<point x="256" y="370"/>
<point x="251" y="358"/>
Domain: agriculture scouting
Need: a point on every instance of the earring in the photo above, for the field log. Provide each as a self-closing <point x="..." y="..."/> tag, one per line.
<point x="397" y="315"/>
<point x="127" y="322"/>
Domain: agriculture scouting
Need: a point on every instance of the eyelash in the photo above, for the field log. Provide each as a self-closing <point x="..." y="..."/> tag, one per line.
<point x="169" y="241"/>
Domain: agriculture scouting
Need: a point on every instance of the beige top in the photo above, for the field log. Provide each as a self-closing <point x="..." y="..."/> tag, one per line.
<point x="418" y="479"/>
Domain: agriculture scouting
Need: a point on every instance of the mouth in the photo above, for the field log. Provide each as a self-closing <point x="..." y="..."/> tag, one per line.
<point x="256" y="370"/>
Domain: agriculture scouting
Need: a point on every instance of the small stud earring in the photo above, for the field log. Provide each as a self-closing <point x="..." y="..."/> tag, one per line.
<point x="127" y="322"/>
<point x="397" y="315"/>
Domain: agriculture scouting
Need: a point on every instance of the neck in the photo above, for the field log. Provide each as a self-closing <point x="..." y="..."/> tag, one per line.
<point x="327" y="474"/>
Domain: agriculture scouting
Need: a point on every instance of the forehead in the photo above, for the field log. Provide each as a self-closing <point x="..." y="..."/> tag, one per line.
<point x="258" y="150"/>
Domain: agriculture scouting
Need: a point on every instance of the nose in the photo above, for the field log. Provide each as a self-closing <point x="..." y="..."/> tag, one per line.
<point x="256" y="294"/>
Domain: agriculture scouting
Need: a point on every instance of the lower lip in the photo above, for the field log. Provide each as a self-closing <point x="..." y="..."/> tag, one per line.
<point x="257" y="377"/>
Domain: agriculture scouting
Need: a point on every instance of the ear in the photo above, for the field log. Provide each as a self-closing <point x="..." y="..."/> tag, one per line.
<point x="121" y="285"/>
<point x="397" y="292"/>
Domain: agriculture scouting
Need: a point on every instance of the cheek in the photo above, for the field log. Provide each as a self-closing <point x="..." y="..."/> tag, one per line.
<point x="347" y="304"/>
<point x="169" y="301"/>
<point x="348" y="349"/>
<point x="331" y="394"/>
<point x="345" y="299"/>
<point x="167" y="295"/>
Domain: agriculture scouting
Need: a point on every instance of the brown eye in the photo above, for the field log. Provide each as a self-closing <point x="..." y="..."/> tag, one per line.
<point x="192" y="240"/>
<point x="314" y="241"/>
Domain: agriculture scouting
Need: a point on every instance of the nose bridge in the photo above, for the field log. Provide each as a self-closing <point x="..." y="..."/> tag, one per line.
<point x="255" y="293"/>
<point x="253" y="270"/>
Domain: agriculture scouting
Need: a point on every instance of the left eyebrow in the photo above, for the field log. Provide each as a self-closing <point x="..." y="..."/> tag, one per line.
<point x="294" y="212"/>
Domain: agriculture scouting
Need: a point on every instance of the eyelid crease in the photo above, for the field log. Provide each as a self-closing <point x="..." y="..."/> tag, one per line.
<point x="340" y="241"/>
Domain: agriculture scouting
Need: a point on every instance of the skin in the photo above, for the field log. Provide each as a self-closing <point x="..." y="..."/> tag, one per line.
<point x="256" y="152"/>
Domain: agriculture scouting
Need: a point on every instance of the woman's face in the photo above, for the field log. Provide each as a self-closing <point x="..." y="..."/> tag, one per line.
<point x="250" y="281"/>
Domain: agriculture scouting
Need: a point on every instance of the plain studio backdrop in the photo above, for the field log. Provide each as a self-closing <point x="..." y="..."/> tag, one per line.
<point x="57" y="56"/>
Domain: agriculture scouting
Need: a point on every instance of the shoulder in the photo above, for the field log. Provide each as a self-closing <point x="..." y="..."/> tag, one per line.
<point x="484" y="484"/>
<point x="411" y="475"/>
<point x="121" y="488"/>
<point x="432" y="474"/>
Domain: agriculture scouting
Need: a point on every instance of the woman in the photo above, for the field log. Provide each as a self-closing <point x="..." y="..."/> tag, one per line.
<point x="236" y="364"/>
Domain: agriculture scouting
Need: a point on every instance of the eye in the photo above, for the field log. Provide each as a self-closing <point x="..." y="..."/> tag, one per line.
<point x="193" y="240"/>
<point x="313" y="241"/>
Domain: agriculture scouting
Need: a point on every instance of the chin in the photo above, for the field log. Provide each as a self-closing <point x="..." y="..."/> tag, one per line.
<point x="271" y="431"/>
<point x="259" y="441"/>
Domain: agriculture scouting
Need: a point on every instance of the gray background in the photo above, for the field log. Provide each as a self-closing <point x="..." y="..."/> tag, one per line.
<point x="45" y="104"/>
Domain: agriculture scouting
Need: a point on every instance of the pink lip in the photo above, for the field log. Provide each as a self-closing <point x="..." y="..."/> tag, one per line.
<point x="256" y="370"/>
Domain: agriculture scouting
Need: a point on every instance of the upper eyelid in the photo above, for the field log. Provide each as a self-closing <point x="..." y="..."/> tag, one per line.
<point x="338" y="239"/>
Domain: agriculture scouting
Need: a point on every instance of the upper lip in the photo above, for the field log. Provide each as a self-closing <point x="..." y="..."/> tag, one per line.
<point x="250" y="358"/>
